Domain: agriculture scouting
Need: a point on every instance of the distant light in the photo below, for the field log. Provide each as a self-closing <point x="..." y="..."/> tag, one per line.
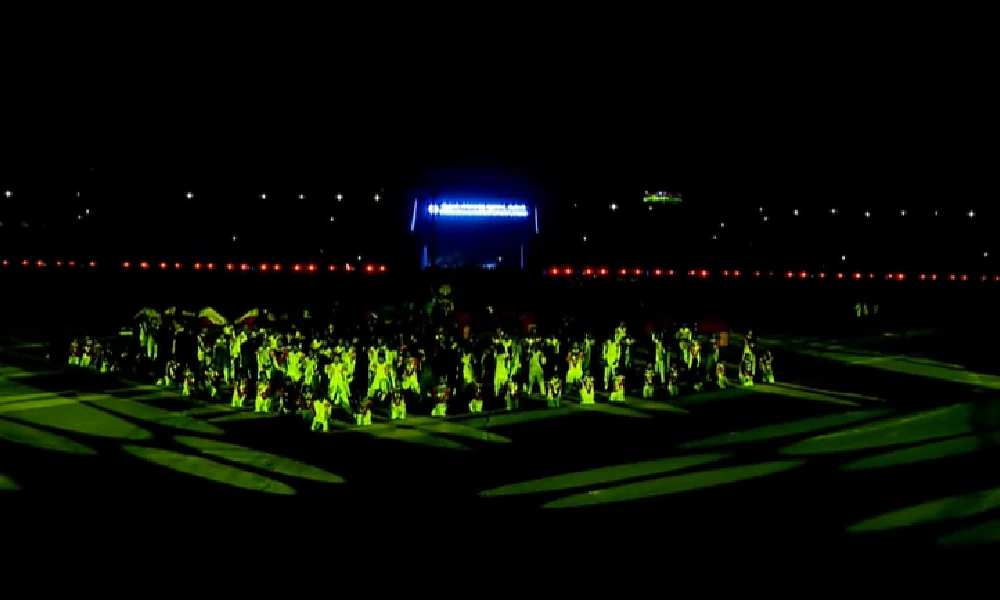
<point x="795" y="212"/>
<point x="902" y="213"/>
<point x="9" y="193"/>
<point x="722" y="224"/>
<point x="972" y="213"/>
<point x="935" y="213"/>
<point x="867" y="214"/>
<point x="86" y="212"/>
<point x="479" y="210"/>
<point x="614" y="207"/>
<point x="359" y="258"/>
<point x="340" y="197"/>
<point x="986" y="254"/>
<point x="234" y="238"/>
<point x="715" y="237"/>
<point x="79" y="217"/>
<point x="332" y="219"/>
<point x="585" y="238"/>
<point x="377" y="197"/>
<point x="263" y="196"/>
<point x="381" y="268"/>
<point x="761" y="209"/>
<point x="765" y="218"/>
<point x="188" y="195"/>
<point x="302" y="196"/>
<point x="833" y="211"/>
<point x="78" y="194"/>
<point x="843" y="257"/>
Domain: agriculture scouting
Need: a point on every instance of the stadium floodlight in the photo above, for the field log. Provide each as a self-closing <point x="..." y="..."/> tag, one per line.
<point x="479" y="210"/>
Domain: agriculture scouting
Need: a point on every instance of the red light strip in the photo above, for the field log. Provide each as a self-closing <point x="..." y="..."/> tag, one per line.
<point x="734" y="274"/>
<point x="198" y="266"/>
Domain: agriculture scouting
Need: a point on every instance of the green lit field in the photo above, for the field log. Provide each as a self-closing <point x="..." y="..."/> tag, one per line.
<point x="889" y="440"/>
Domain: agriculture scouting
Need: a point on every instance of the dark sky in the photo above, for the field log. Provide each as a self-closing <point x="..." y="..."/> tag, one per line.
<point x="869" y="116"/>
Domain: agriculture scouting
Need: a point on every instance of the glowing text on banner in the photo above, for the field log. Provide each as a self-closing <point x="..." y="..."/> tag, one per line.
<point x="479" y="210"/>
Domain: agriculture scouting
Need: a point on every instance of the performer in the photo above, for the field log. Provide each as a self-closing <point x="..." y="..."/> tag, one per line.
<point x="88" y="353"/>
<point x="339" y="391"/>
<point x="574" y="365"/>
<point x="673" y="379"/>
<point x="588" y="345"/>
<point x="720" y="376"/>
<point x="587" y="390"/>
<point x="321" y="415"/>
<point x="694" y="355"/>
<point x="501" y="373"/>
<point x="536" y="370"/>
<point x="468" y="369"/>
<point x="263" y="401"/>
<point x="746" y="370"/>
<point x="749" y="343"/>
<point x="397" y="404"/>
<point x="649" y="383"/>
<point x="75" y="352"/>
<point x="364" y="415"/>
<point x="611" y="354"/>
<point x="618" y="389"/>
<point x="441" y="394"/>
<point x="188" y="383"/>
<point x="659" y="358"/>
<point x="620" y="333"/>
<point x="511" y="400"/>
<point x="410" y="382"/>
<point x="476" y="404"/>
<point x="767" y="367"/>
<point x="380" y="377"/>
<point x="553" y="392"/>
<point x="239" y="393"/>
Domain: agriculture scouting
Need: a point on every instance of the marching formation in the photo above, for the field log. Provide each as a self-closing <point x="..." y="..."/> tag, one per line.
<point x="357" y="369"/>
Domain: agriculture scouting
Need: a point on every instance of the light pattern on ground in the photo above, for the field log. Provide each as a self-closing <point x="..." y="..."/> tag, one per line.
<point x="674" y="484"/>
<point x="153" y="414"/>
<point x="908" y="366"/>
<point x="930" y="425"/>
<point x="603" y="475"/>
<point x="389" y="431"/>
<point x="781" y="430"/>
<point x="933" y="451"/>
<point x="461" y="430"/>
<point x="43" y="440"/>
<point x="7" y="484"/>
<point x="258" y="459"/>
<point x="803" y="393"/>
<point x="81" y="418"/>
<point x="984" y="533"/>
<point x="954" y="507"/>
<point x="210" y="470"/>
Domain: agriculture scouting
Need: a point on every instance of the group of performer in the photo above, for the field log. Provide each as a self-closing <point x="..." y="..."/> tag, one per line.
<point x="272" y="366"/>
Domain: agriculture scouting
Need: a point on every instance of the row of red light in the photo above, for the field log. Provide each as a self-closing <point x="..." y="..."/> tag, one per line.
<point x="58" y="263"/>
<point x="704" y="274"/>
<point x="163" y="266"/>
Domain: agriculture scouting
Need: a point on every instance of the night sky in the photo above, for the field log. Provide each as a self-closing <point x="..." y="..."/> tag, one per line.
<point x="874" y="112"/>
